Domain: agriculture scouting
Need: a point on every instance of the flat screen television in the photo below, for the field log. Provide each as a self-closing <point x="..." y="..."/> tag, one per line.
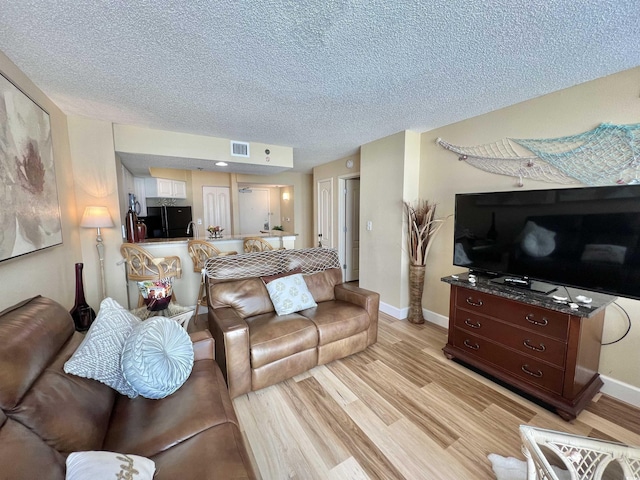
<point x="588" y="237"/>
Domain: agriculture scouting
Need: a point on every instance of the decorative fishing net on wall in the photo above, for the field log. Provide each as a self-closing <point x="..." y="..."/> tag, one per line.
<point x="605" y="155"/>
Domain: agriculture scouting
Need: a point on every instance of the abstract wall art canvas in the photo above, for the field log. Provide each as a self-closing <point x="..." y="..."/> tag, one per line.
<point x="29" y="208"/>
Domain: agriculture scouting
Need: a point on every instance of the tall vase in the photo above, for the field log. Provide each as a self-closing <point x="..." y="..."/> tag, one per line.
<point x="416" y="287"/>
<point x="82" y="314"/>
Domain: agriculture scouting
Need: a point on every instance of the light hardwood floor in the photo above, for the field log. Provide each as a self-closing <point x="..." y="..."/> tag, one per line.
<point x="402" y="410"/>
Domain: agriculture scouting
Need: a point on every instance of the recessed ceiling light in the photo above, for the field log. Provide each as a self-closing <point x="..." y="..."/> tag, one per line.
<point x="221" y="164"/>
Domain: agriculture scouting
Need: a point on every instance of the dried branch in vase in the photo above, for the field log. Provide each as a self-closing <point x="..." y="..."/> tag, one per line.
<point x="422" y="226"/>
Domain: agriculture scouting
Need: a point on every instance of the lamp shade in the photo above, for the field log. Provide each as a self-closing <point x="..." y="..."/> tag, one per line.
<point x="96" y="217"/>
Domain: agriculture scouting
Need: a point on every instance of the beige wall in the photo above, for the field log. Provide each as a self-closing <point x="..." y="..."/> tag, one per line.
<point x="134" y="139"/>
<point x="389" y="170"/>
<point x="96" y="183"/>
<point x="49" y="272"/>
<point x="287" y="218"/>
<point x="574" y="110"/>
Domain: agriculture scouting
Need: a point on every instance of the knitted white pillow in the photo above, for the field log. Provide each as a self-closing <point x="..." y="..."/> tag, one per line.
<point x="157" y="357"/>
<point x="93" y="464"/>
<point x="290" y="294"/>
<point x="98" y="356"/>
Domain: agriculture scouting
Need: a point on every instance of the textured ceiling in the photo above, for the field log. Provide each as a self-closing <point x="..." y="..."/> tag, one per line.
<point x="320" y="76"/>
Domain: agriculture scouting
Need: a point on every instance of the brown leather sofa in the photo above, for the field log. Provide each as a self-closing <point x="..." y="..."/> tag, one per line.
<point x="255" y="347"/>
<point x="47" y="414"/>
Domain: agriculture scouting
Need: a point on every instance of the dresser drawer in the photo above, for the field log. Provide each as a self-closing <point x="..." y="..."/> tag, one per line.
<point x="538" y="346"/>
<point x="536" y="319"/>
<point x="522" y="366"/>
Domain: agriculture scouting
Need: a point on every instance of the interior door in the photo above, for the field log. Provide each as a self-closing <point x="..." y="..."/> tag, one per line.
<point x="217" y="209"/>
<point x="253" y="206"/>
<point x="352" y="230"/>
<point x="325" y="209"/>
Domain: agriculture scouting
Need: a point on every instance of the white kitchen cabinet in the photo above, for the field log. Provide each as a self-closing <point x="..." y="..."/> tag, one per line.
<point x="165" y="188"/>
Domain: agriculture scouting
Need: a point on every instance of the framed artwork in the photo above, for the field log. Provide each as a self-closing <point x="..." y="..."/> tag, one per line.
<point x="29" y="207"/>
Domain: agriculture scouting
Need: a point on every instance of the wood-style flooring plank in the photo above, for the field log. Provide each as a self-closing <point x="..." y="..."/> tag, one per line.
<point x="401" y="410"/>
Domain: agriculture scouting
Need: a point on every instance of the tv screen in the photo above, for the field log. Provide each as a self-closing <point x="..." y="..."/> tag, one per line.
<point x="587" y="238"/>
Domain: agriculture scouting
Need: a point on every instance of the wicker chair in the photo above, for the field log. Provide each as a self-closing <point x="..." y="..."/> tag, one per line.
<point x="256" y="244"/>
<point x="581" y="457"/>
<point x="140" y="265"/>
<point x="200" y="251"/>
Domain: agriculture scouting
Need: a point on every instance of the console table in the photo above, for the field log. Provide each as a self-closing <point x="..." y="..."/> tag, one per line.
<point x="530" y="341"/>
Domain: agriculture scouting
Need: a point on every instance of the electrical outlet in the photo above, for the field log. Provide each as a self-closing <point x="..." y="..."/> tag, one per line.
<point x="369" y="225"/>
<point x="199" y="221"/>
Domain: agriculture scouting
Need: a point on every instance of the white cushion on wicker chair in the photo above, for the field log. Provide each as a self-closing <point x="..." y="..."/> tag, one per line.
<point x="157" y="357"/>
<point x="98" y="356"/>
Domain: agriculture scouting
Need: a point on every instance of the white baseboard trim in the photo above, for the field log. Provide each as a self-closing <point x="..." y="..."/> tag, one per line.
<point x="436" y="318"/>
<point x="401" y="314"/>
<point x="620" y="390"/>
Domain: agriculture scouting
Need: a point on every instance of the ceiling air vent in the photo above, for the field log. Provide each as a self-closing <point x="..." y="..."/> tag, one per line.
<point x="239" y="149"/>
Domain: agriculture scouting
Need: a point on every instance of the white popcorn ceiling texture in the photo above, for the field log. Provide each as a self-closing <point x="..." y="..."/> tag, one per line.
<point x="320" y="76"/>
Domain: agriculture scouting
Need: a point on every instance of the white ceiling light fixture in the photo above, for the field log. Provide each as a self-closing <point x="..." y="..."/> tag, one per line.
<point x="222" y="164"/>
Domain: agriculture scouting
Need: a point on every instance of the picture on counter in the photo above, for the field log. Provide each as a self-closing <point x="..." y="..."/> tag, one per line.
<point x="30" y="214"/>
<point x="156" y="294"/>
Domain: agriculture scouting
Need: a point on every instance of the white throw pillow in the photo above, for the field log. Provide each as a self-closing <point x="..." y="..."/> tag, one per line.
<point x="157" y="357"/>
<point x="537" y="241"/>
<point x="290" y="294"/>
<point x="98" y="356"/>
<point x="94" y="465"/>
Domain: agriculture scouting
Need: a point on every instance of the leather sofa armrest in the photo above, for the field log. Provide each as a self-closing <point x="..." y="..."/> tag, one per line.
<point x="231" y="334"/>
<point x="364" y="298"/>
<point x="203" y="345"/>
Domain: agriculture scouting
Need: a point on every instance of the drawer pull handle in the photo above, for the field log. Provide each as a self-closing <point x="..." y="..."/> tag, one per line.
<point x="472" y="325"/>
<point x="542" y="323"/>
<point x="537" y="374"/>
<point x="475" y="304"/>
<point x="540" y="348"/>
<point x="473" y="346"/>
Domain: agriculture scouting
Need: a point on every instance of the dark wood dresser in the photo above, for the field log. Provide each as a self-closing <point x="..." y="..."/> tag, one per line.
<point x="528" y="340"/>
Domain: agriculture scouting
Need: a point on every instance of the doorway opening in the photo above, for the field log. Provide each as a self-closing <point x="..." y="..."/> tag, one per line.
<point x="349" y="227"/>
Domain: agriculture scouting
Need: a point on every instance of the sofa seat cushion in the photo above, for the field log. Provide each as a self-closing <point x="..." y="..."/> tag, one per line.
<point x="147" y="427"/>
<point x="23" y="454"/>
<point x="218" y="452"/>
<point x="273" y="337"/>
<point x="336" y="320"/>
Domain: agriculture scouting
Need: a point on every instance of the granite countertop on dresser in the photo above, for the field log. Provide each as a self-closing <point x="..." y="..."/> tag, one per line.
<point x="486" y="285"/>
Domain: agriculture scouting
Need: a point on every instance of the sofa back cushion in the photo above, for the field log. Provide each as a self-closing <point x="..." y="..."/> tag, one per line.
<point x="234" y="280"/>
<point x="248" y="297"/>
<point x="66" y="412"/>
<point x="321" y="284"/>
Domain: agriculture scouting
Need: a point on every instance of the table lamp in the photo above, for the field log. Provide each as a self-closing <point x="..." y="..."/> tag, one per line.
<point x="98" y="217"/>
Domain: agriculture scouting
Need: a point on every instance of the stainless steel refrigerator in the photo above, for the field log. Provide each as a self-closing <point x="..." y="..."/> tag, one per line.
<point x="168" y="222"/>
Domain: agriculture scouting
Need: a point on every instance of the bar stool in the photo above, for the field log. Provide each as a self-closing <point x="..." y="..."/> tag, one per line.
<point x="200" y="251"/>
<point x="141" y="266"/>
<point x="256" y="244"/>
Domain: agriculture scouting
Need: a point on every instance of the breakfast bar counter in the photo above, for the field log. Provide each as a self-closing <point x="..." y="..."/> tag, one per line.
<point x="186" y="288"/>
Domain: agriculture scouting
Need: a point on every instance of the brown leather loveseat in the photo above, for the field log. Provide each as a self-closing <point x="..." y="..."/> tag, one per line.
<point x="255" y="347"/>
<point x="47" y="414"/>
